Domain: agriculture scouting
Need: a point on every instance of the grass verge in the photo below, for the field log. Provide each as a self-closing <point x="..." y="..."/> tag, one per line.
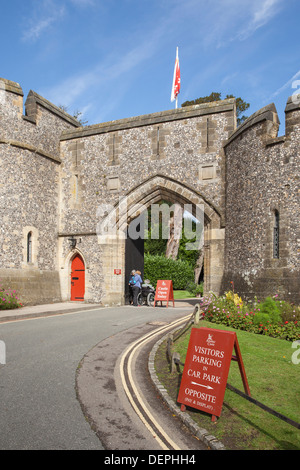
<point x="274" y="381"/>
<point x="182" y="294"/>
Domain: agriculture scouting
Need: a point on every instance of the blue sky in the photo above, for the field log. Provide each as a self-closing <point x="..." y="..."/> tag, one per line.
<point x="113" y="59"/>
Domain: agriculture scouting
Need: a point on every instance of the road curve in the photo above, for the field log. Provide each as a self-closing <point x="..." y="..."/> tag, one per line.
<point x="119" y="399"/>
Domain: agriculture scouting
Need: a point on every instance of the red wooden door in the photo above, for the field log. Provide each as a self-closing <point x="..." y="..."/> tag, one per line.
<point x="77" y="278"/>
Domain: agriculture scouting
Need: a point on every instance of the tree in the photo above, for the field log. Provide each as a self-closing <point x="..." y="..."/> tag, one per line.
<point x="173" y="247"/>
<point x="76" y="114"/>
<point x="241" y="105"/>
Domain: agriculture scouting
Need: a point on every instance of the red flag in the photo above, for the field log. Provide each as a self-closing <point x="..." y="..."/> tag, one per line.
<point x="176" y="79"/>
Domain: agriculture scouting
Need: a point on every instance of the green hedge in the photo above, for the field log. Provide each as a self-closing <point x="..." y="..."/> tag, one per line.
<point x="159" y="267"/>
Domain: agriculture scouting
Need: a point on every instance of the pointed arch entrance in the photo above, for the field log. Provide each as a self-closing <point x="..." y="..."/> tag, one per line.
<point x="156" y="188"/>
<point x="77" y="278"/>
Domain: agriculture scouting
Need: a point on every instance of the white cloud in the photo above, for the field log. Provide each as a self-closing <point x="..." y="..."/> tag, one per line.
<point x="229" y="78"/>
<point x="227" y="21"/>
<point x="218" y="22"/>
<point x="116" y="67"/>
<point x="83" y="3"/>
<point x="70" y="90"/>
<point x="262" y="13"/>
<point x="289" y="84"/>
<point x="66" y="92"/>
<point x="47" y="14"/>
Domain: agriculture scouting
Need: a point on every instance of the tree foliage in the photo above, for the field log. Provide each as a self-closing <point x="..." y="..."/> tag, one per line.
<point x="76" y="114"/>
<point x="158" y="246"/>
<point x="241" y="105"/>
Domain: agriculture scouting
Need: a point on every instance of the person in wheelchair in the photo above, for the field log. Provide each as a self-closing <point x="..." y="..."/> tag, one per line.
<point x="147" y="293"/>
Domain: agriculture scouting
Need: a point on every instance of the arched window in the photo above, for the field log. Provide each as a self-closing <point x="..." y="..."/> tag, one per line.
<point x="29" y="247"/>
<point x="276" y="235"/>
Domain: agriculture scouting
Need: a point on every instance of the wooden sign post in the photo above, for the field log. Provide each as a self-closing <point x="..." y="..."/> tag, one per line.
<point x="206" y="370"/>
<point x="164" y="292"/>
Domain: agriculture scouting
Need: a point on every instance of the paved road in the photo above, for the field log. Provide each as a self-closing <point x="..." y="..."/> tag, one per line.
<point x="130" y="414"/>
<point x="38" y="404"/>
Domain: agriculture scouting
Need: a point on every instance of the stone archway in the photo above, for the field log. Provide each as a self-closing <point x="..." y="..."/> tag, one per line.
<point x="130" y="206"/>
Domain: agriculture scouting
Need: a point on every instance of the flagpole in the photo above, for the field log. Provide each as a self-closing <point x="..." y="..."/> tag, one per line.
<point x="176" y="102"/>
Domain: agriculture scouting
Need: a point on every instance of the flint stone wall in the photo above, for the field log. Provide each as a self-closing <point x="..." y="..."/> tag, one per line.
<point x="55" y="175"/>
<point x="109" y="160"/>
<point x="262" y="176"/>
<point x="29" y="194"/>
<point x="102" y="163"/>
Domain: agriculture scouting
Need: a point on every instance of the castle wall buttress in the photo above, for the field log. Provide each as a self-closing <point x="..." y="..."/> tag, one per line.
<point x="29" y="189"/>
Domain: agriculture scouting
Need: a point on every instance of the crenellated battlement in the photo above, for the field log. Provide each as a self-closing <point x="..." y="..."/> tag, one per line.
<point x="11" y="98"/>
<point x="292" y="114"/>
<point x="268" y="117"/>
<point x="11" y="95"/>
<point x="10" y="87"/>
<point x="56" y="173"/>
<point x="38" y="128"/>
<point x="35" y="101"/>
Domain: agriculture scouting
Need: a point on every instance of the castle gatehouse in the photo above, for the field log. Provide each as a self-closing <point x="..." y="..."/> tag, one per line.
<point x="60" y="183"/>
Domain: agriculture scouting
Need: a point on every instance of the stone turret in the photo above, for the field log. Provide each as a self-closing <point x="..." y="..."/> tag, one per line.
<point x="292" y="114"/>
<point x="262" y="205"/>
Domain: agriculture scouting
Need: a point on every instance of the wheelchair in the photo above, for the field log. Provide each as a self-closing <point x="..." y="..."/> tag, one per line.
<point x="146" y="295"/>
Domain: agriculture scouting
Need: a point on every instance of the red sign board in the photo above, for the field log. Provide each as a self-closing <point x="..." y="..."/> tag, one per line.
<point x="164" y="292"/>
<point x="117" y="271"/>
<point x="206" y="369"/>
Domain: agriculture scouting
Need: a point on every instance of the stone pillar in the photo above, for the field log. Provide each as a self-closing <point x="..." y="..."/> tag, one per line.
<point x="214" y="239"/>
<point x="113" y="257"/>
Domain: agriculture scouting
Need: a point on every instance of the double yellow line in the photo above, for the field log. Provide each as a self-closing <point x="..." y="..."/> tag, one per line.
<point x="126" y="370"/>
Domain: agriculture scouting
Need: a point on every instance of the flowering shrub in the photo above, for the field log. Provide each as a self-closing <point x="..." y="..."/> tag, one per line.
<point x="8" y="299"/>
<point x="271" y="317"/>
<point x="232" y="297"/>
